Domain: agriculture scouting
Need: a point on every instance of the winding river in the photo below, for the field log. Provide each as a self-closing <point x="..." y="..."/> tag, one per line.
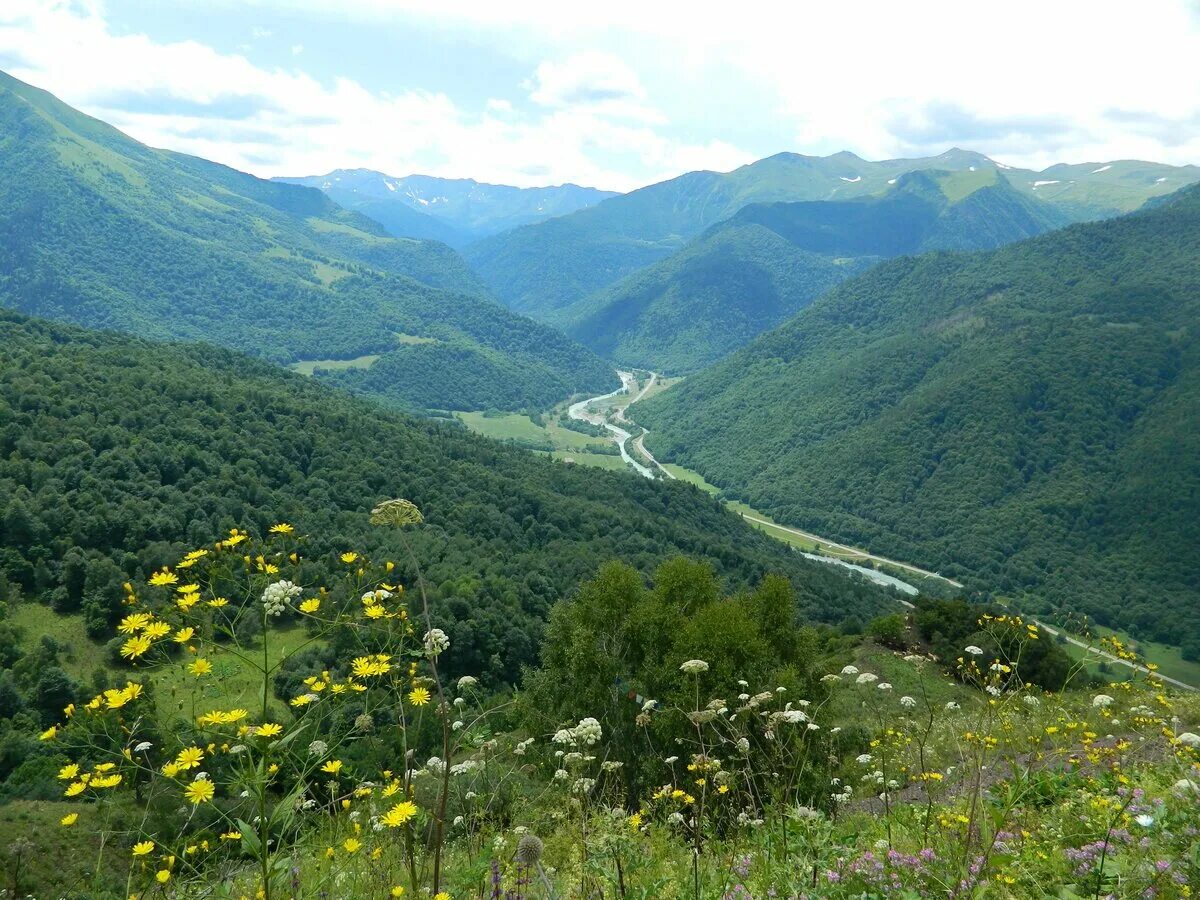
<point x="581" y="413"/>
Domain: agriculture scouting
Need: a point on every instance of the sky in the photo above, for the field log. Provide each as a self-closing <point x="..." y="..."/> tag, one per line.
<point x="618" y="94"/>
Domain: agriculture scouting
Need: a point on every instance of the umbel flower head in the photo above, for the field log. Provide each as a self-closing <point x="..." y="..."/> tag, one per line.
<point x="397" y="513"/>
<point x="694" y="667"/>
<point x="436" y="642"/>
<point x="277" y="596"/>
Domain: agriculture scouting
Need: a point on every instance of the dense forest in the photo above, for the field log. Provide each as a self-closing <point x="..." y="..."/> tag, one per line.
<point x="100" y="230"/>
<point x="115" y="453"/>
<point x="1023" y="419"/>
<point x="764" y="264"/>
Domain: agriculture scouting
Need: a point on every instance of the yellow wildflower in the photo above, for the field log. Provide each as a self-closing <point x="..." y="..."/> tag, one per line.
<point x="135" y="646"/>
<point x="199" y="791"/>
<point x="399" y="814"/>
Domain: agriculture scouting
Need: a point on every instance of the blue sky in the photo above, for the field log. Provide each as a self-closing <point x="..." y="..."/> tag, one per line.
<point x="619" y="94"/>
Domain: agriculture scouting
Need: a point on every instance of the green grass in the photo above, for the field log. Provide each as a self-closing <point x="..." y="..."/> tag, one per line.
<point x="64" y="857"/>
<point x="80" y="656"/>
<point x="411" y="339"/>
<point x="1167" y="658"/>
<point x="691" y="477"/>
<point x="929" y="680"/>
<point x="956" y="185"/>
<point x="598" y="460"/>
<point x="308" y="366"/>
<point x="329" y="274"/>
<point x="324" y="225"/>
<point x="234" y="681"/>
<point x="521" y="428"/>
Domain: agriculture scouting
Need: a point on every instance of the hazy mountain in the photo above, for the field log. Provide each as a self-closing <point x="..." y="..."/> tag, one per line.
<point x="541" y="268"/>
<point x="454" y="210"/>
<point x="1024" y="418"/>
<point x="766" y="262"/>
<point x="99" y="229"/>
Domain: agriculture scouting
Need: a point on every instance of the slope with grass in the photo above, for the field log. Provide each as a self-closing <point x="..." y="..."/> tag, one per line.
<point x="115" y="452"/>
<point x="539" y="269"/>
<point x="98" y="229"/>
<point x="1022" y="419"/>
<point x="453" y="210"/>
<point x="761" y="266"/>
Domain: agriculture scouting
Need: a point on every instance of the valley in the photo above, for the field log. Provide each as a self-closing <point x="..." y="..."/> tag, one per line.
<point x="611" y="505"/>
<point x="612" y="412"/>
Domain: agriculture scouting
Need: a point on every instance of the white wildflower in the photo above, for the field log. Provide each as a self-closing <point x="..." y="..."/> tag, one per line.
<point x="278" y="595"/>
<point x="436" y="642"/>
<point x="694" y="667"/>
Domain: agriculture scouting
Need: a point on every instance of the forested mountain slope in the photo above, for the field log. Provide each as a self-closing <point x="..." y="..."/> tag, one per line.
<point x="116" y="453"/>
<point x="454" y="210"/>
<point x="541" y="268"/>
<point x="98" y="229"/>
<point x="769" y="260"/>
<point x="1023" y="418"/>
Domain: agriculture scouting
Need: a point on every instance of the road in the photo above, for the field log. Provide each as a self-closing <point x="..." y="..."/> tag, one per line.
<point x="861" y="554"/>
<point x="580" y="411"/>
<point x="1111" y="658"/>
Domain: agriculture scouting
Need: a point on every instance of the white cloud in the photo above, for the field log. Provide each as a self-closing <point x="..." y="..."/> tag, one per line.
<point x="585" y="78"/>
<point x="297" y="49"/>
<point x="189" y="97"/>
<point x="863" y="74"/>
<point x="628" y="92"/>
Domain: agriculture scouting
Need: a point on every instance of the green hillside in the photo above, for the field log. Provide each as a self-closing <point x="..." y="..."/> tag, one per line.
<point x="541" y="268"/>
<point x="116" y="452"/>
<point x="100" y="230"/>
<point x="1023" y="418"/>
<point x="751" y="272"/>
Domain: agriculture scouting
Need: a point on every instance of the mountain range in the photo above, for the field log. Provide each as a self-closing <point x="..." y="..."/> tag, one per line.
<point x="768" y="260"/>
<point x="539" y="269"/>
<point x="98" y="229"/>
<point x="455" y="211"/>
<point x="1023" y="418"/>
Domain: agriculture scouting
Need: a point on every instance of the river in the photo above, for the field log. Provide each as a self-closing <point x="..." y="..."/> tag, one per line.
<point x="580" y="412"/>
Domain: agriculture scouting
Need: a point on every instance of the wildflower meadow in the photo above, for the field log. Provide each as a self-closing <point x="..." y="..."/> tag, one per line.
<point x="294" y="727"/>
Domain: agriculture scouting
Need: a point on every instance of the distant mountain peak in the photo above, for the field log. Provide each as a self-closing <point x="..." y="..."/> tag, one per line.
<point x="453" y="210"/>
